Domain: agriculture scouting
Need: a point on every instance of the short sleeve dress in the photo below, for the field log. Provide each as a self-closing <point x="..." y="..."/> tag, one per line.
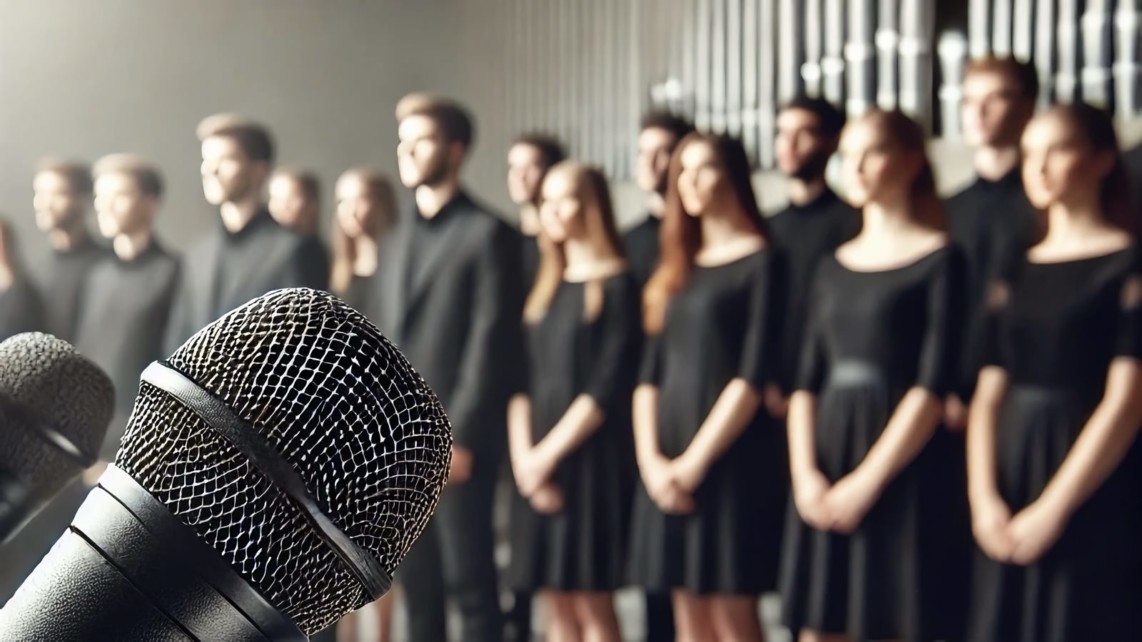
<point x="1055" y="328"/>
<point x="572" y="353"/>
<point x="873" y="336"/>
<point x="721" y="325"/>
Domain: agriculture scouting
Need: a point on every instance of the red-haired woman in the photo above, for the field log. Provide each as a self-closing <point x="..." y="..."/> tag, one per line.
<point x="1053" y="481"/>
<point x="862" y="555"/>
<point x="707" y="524"/>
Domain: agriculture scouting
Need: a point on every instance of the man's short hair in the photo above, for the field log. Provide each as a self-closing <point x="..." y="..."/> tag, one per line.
<point x="305" y="179"/>
<point x="77" y="174"/>
<point x="1022" y="75"/>
<point x="146" y="175"/>
<point x="452" y="118"/>
<point x="551" y="150"/>
<point x="678" y="126"/>
<point x="253" y="137"/>
<point x="830" y="120"/>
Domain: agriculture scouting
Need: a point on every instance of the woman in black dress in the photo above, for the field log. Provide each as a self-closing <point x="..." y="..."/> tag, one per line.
<point x="366" y="208"/>
<point x="860" y="550"/>
<point x="20" y="309"/>
<point x="569" y="432"/>
<point x="1053" y="477"/>
<point x="708" y="519"/>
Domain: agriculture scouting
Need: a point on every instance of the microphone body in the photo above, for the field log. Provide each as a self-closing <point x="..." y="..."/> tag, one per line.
<point x="55" y="406"/>
<point x="143" y="576"/>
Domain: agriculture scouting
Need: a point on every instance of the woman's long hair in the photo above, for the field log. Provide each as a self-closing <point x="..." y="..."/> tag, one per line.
<point x="907" y="136"/>
<point x="344" y="248"/>
<point x="595" y="195"/>
<point x="1095" y="126"/>
<point x="681" y="235"/>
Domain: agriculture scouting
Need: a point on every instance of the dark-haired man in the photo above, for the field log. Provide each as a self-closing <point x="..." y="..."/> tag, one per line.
<point x="61" y="198"/>
<point x="130" y="292"/>
<point x="529" y="158"/>
<point x="249" y="254"/>
<point x="450" y="294"/>
<point x="659" y="133"/>
<point x="814" y="222"/>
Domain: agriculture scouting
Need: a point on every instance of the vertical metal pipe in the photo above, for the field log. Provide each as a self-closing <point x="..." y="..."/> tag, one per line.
<point x="1066" y="79"/>
<point x="916" y="26"/>
<point x="833" y="62"/>
<point x="1023" y="24"/>
<point x="789" y="49"/>
<point x="734" y="66"/>
<point x="767" y="79"/>
<point x="887" y="41"/>
<point x="1045" y="50"/>
<point x="718" y="67"/>
<point x="702" y="67"/>
<point x="860" y="56"/>
<point x="1001" y="28"/>
<point x="979" y="27"/>
<point x="1096" y="53"/>
<point x="749" y="78"/>
<point x="1126" y="67"/>
<point x="952" y="50"/>
<point x="814" y="46"/>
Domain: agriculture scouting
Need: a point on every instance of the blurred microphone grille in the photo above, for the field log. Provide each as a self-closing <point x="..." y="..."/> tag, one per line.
<point x="335" y="399"/>
<point x="65" y="399"/>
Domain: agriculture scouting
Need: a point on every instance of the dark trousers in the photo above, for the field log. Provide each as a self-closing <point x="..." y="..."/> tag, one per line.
<point x="454" y="559"/>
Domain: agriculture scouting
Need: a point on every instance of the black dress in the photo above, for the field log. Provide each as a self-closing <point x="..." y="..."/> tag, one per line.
<point x="1055" y="336"/>
<point x="874" y="336"/>
<point x="20" y="309"/>
<point x="583" y="547"/>
<point x="722" y="325"/>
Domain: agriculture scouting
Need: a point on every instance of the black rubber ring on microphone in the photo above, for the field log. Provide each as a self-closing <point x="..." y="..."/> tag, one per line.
<point x="368" y="571"/>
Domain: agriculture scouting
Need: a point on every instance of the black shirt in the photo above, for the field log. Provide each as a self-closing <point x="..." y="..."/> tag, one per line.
<point x="21" y="309"/>
<point x="806" y="234"/>
<point x="63" y="290"/>
<point x="994" y="225"/>
<point x="642" y="248"/>
<point x="530" y="252"/>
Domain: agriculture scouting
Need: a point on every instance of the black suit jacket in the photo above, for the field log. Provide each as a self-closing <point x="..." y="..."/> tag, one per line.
<point x="274" y="258"/>
<point x="457" y="315"/>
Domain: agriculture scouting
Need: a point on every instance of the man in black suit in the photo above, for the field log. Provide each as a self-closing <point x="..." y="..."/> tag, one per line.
<point x="248" y="254"/>
<point x="451" y="297"/>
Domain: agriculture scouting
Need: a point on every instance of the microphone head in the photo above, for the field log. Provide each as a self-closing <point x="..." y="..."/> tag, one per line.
<point x="55" y="406"/>
<point x="335" y="399"/>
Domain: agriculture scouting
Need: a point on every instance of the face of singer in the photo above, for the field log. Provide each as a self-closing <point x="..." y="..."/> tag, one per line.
<point x="55" y="201"/>
<point x="702" y="182"/>
<point x="357" y="206"/>
<point x="121" y="208"/>
<point x="423" y="155"/>
<point x="1059" y="165"/>
<point x="525" y="173"/>
<point x="563" y="211"/>
<point x="802" y="150"/>
<point x="228" y="174"/>
<point x="290" y="206"/>
<point x="991" y="110"/>
<point x="655" y="145"/>
<point x="874" y="168"/>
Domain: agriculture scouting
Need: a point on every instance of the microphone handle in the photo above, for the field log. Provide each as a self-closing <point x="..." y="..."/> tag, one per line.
<point x="127" y="570"/>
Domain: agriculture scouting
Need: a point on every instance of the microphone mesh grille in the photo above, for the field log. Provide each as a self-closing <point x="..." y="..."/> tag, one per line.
<point x="339" y="402"/>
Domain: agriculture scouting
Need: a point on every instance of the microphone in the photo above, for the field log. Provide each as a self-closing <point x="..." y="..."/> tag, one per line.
<point x="55" y="406"/>
<point x="274" y="472"/>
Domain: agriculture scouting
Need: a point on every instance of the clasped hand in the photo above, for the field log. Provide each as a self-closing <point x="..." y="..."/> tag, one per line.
<point x="838" y="507"/>
<point x="671" y="482"/>
<point x="1022" y="539"/>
